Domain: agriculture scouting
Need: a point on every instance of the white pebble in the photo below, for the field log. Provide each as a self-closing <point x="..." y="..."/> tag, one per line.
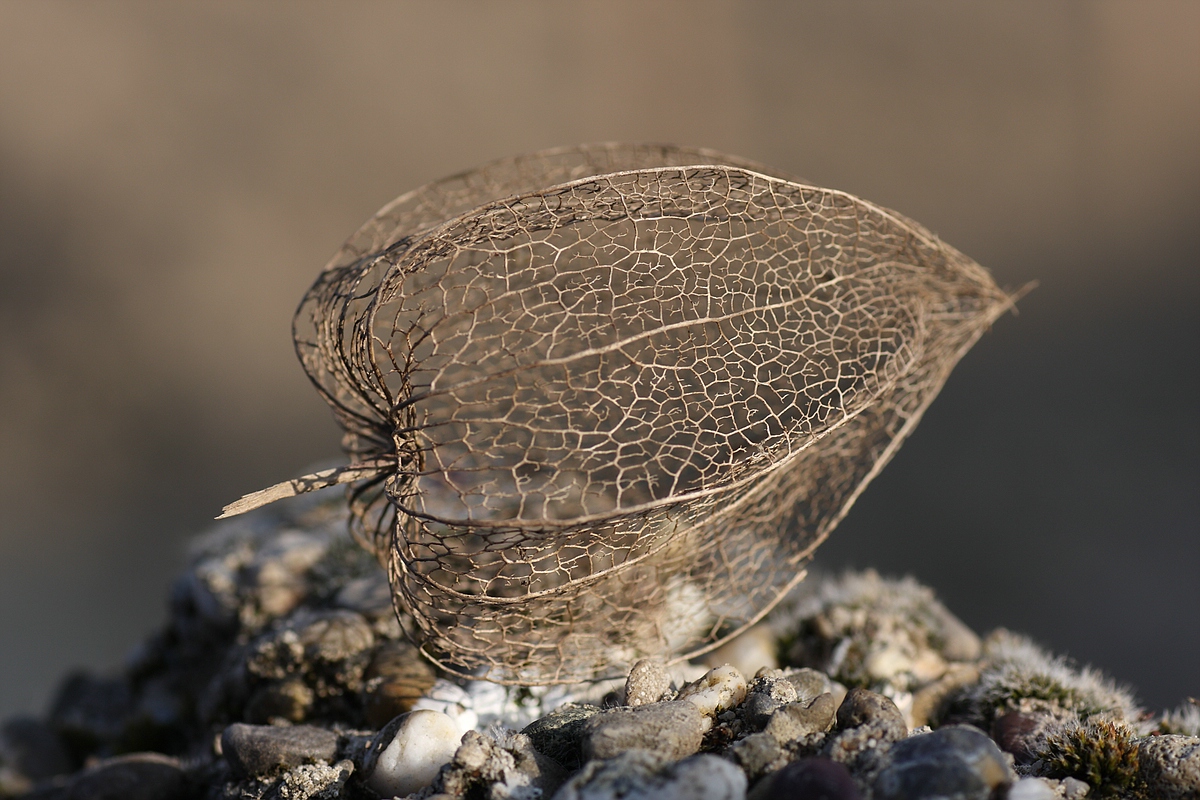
<point x="453" y="701"/>
<point x="1031" y="789"/>
<point x="410" y="751"/>
<point x="718" y="690"/>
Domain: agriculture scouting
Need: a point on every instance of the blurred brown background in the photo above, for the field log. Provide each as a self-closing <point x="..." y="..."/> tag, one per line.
<point x="173" y="176"/>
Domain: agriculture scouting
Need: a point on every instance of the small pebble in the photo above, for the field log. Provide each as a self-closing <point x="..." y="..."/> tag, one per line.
<point x="559" y="735"/>
<point x="717" y="690"/>
<point x="810" y="682"/>
<point x="256" y="750"/>
<point x="867" y="724"/>
<point x="395" y="679"/>
<point x="808" y="779"/>
<point x="861" y="707"/>
<point x="453" y="701"/>
<point x="797" y="720"/>
<point x="956" y="761"/>
<point x="640" y="775"/>
<point x="409" y="752"/>
<point x="1031" y="789"/>
<point x="767" y="693"/>
<point x="1170" y="765"/>
<point x="648" y="682"/>
<point x="672" y="730"/>
<point x="1017" y="732"/>
<point x="1074" y="789"/>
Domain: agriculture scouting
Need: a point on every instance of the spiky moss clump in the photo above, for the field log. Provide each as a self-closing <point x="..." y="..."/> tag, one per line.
<point x="1018" y="675"/>
<point x="1184" y="720"/>
<point x="890" y="636"/>
<point x="1101" y="753"/>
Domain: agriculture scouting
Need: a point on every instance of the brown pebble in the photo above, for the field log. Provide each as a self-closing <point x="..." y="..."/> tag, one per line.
<point x="928" y="703"/>
<point x="395" y="679"/>
<point x="1012" y="733"/>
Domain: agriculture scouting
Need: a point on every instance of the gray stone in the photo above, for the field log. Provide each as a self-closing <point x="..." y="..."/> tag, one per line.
<point x="647" y="683"/>
<point x="137" y="776"/>
<point x="868" y="723"/>
<point x="673" y="730"/>
<point x="560" y="734"/>
<point x="257" y="750"/>
<point x="767" y="693"/>
<point x="1170" y="765"/>
<point x="957" y="762"/>
<point x="808" y="682"/>
<point x="862" y="707"/>
<point x="640" y="775"/>
<point x="798" y="720"/>
<point x="808" y="779"/>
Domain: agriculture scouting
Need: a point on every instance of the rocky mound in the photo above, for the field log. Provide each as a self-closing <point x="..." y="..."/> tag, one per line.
<point x="284" y="673"/>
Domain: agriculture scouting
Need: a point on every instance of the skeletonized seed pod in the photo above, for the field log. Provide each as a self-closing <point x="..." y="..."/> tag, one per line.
<point x="603" y="402"/>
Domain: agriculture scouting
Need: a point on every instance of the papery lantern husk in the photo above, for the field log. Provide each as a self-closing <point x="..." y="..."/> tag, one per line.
<point x="602" y="403"/>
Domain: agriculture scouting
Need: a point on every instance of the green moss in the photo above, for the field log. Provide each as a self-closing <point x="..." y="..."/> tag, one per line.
<point x="1100" y="753"/>
<point x="1182" y="721"/>
<point x="1019" y="676"/>
<point x="1044" y="687"/>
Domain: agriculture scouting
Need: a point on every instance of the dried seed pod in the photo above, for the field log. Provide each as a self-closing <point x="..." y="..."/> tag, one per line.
<point x="604" y="402"/>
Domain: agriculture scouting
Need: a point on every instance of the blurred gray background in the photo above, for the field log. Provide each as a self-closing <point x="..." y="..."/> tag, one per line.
<point x="173" y="177"/>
